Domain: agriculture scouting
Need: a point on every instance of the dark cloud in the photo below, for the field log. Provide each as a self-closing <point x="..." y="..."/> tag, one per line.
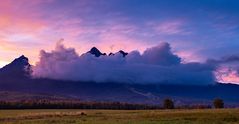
<point x="225" y="59"/>
<point x="161" y="55"/>
<point x="230" y="62"/>
<point x="156" y="65"/>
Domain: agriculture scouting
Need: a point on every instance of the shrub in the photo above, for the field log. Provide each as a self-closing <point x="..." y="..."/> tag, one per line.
<point x="168" y="104"/>
<point x="218" y="103"/>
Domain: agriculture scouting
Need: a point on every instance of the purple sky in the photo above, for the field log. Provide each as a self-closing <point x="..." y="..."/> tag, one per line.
<point x="196" y="30"/>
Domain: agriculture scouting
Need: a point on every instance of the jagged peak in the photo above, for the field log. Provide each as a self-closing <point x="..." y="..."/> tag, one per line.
<point x="19" y="67"/>
<point x="22" y="57"/>
<point x="94" y="49"/>
<point x="21" y="60"/>
<point x="96" y="52"/>
<point x="111" y="54"/>
<point x="18" y="63"/>
<point x="123" y="53"/>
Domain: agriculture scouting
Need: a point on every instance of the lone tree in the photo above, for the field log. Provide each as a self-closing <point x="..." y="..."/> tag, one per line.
<point x="218" y="103"/>
<point x="168" y="104"/>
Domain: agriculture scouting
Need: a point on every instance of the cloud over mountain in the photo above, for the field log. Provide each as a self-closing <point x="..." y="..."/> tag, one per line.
<point x="227" y="69"/>
<point x="155" y="65"/>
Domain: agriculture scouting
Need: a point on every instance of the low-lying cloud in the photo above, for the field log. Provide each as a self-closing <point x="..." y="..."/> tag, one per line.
<point x="155" y="65"/>
<point x="227" y="69"/>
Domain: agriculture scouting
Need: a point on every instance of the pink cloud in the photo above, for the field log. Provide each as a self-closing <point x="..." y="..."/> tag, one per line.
<point x="189" y="56"/>
<point x="21" y="25"/>
<point x="113" y="42"/>
<point x="171" y="28"/>
<point x="227" y="75"/>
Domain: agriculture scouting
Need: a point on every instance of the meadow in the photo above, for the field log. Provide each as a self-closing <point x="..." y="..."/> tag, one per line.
<point x="64" y="116"/>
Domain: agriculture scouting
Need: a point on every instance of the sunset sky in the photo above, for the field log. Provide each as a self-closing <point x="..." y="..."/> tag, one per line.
<point x="196" y="30"/>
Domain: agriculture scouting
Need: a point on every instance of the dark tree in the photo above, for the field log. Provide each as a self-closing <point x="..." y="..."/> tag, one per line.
<point x="71" y="104"/>
<point x="168" y="104"/>
<point x="218" y="103"/>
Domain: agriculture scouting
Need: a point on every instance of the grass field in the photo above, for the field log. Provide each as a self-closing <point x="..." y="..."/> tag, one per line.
<point x="224" y="116"/>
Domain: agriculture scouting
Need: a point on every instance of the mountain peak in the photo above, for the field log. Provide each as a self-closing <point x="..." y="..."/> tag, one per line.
<point x="111" y="54"/>
<point x="123" y="53"/>
<point x="18" y="67"/>
<point x="96" y="52"/>
<point x="94" y="49"/>
<point x="21" y="61"/>
<point x="22" y="57"/>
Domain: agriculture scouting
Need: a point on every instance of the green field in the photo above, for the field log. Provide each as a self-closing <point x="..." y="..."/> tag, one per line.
<point x="212" y="116"/>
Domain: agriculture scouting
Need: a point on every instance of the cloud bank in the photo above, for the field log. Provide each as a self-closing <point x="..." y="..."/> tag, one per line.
<point x="155" y="65"/>
<point x="227" y="70"/>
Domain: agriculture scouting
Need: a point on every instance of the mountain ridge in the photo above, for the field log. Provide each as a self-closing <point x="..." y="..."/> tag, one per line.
<point x="110" y="91"/>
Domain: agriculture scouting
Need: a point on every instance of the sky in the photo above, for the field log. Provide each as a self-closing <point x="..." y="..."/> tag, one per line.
<point x="196" y="30"/>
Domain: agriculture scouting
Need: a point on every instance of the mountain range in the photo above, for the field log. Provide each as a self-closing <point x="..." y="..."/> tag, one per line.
<point x="16" y="83"/>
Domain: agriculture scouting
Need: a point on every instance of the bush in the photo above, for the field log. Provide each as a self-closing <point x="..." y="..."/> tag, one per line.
<point x="168" y="104"/>
<point x="218" y="103"/>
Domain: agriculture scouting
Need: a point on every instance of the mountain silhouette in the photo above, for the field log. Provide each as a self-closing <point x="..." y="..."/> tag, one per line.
<point x="111" y="54"/>
<point x="123" y="53"/>
<point x="96" y="52"/>
<point x="20" y="67"/>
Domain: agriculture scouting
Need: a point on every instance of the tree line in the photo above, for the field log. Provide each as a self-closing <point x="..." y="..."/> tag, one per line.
<point x="217" y="103"/>
<point x="47" y="104"/>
